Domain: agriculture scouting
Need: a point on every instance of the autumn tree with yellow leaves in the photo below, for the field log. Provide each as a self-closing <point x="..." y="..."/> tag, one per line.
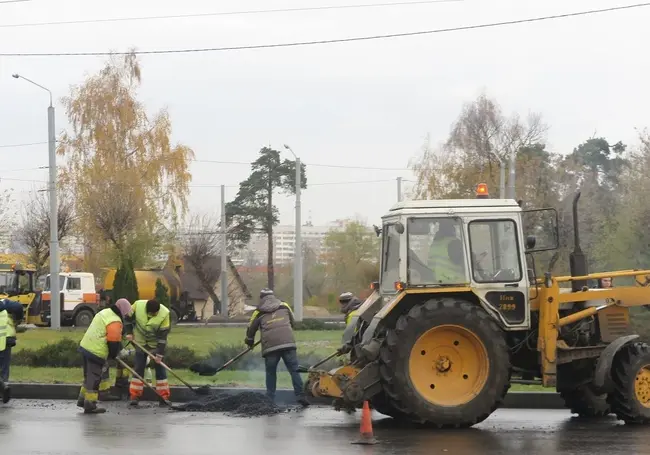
<point x="129" y="181"/>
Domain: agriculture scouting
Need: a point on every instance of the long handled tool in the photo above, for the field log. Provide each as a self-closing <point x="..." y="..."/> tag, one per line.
<point x="304" y="369"/>
<point x="208" y="370"/>
<point x="203" y="390"/>
<point x="133" y="372"/>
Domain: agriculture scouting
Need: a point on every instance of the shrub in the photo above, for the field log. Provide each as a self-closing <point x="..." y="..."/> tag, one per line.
<point x="316" y="324"/>
<point x="65" y="354"/>
<point x="162" y="293"/>
<point x="125" y="284"/>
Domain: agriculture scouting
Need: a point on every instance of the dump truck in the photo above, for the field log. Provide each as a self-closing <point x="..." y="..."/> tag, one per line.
<point x="182" y="309"/>
<point x="461" y="311"/>
<point x="79" y="300"/>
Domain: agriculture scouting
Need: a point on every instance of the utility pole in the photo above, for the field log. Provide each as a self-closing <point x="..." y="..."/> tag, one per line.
<point x="297" y="256"/>
<point x="224" y="256"/>
<point x="55" y="300"/>
<point x="399" y="189"/>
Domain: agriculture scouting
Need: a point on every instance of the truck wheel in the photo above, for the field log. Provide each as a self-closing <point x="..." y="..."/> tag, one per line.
<point x="630" y="397"/>
<point x="83" y="318"/>
<point x="446" y="363"/>
<point x="585" y="402"/>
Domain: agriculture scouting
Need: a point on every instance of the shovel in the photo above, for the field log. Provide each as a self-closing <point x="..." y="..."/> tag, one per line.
<point x="304" y="369"/>
<point x="203" y="390"/>
<point x="208" y="370"/>
<point x="132" y="371"/>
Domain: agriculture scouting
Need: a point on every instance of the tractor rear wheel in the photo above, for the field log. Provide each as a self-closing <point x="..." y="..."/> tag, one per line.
<point x="583" y="401"/>
<point x="630" y="397"/>
<point x="446" y="363"/>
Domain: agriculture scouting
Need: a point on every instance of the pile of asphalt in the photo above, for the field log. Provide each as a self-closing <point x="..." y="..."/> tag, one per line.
<point x="244" y="404"/>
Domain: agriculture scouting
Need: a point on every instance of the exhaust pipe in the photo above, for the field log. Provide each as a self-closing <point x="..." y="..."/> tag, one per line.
<point x="577" y="259"/>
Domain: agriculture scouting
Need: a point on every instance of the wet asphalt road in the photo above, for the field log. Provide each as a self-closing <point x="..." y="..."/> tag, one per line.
<point x="57" y="428"/>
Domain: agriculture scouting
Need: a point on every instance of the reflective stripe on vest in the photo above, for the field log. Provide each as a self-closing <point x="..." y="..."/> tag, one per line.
<point x="444" y="269"/>
<point x="11" y="327"/>
<point x="94" y="340"/>
<point x="4" y="318"/>
<point x="146" y="329"/>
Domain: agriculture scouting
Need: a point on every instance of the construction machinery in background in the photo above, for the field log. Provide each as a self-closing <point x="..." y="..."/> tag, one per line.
<point x="17" y="282"/>
<point x="181" y="307"/>
<point x="461" y="312"/>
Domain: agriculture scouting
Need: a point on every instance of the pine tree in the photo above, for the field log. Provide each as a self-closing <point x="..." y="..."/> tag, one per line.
<point x="125" y="285"/>
<point x="162" y="294"/>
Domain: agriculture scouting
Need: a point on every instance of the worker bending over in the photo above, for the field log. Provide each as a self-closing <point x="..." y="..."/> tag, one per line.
<point x="121" y="378"/>
<point x="101" y="342"/>
<point x="11" y="313"/>
<point x="274" y="319"/>
<point x="149" y="327"/>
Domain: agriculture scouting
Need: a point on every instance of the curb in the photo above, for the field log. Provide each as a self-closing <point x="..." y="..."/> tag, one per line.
<point x="32" y="391"/>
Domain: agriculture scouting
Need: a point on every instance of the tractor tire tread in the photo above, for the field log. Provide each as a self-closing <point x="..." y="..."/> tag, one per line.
<point x="622" y="399"/>
<point x="389" y="357"/>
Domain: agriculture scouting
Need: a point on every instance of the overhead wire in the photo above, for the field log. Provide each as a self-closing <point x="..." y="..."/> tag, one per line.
<point x="329" y="41"/>
<point x="226" y="13"/>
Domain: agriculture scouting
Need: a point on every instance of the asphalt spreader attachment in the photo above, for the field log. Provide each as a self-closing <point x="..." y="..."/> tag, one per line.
<point x="243" y="404"/>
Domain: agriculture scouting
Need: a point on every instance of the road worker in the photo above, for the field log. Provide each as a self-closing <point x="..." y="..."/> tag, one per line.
<point x="349" y="306"/>
<point x="149" y="327"/>
<point x="274" y="319"/>
<point x="11" y="313"/>
<point x="101" y="342"/>
<point x="443" y="260"/>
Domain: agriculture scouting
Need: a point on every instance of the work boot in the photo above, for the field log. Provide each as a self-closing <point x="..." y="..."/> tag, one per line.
<point x="80" y="400"/>
<point x="302" y="401"/>
<point x="90" y="407"/>
<point x="6" y="394"/>
<point x="122" y="383"/>
<point x="108" y="395"/>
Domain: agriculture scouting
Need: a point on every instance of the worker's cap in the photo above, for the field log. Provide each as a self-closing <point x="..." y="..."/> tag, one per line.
<point x="264" y="292"/>
<point x="345" y="297"/>
<point x="124" y="306"/>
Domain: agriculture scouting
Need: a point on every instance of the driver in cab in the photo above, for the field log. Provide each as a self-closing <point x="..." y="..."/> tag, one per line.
<point x="446" y="254"/>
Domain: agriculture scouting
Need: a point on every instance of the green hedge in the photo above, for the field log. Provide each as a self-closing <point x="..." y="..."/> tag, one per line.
<point x="65" y="354"/>
<point x="316" y="324"/>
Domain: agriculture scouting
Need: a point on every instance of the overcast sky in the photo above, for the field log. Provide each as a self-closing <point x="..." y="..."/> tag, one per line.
<point x="358" y="104"/>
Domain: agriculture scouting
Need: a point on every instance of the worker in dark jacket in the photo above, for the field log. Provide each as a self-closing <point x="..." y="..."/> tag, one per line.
<point x="274" y="319"/>
<point x="14" y="314"/>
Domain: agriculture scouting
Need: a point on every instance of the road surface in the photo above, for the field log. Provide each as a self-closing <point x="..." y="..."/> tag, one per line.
<point x="57" y="428"/>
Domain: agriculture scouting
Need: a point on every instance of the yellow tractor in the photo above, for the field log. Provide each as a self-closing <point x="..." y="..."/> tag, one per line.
<point x="17" y="283"/>
<point x="460" y="312"/>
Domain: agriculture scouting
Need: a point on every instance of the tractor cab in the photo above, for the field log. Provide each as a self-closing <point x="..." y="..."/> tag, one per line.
<point x="17" y="283"/>
<point x="466" y="246"/>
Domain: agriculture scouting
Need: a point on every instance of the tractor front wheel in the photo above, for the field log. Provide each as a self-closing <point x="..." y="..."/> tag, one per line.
<point x="446" y="363"/>
<point x="630" y="397"/>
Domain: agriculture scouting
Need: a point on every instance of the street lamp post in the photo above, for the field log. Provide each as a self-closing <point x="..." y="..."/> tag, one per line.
<point x="297" y="256"/>
<point x="55" y="302"/>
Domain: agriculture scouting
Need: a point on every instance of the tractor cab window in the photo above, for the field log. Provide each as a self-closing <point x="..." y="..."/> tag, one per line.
<point x="494" y="251"/>
<point x="436" y="252"/>
<point x="390" y="258"/>
<point x="6" y="282"/>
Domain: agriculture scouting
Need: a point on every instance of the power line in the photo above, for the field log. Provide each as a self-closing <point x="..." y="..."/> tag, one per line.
<point x="330" y="41"/>
<point x="226" y="13"/>
<point x="14" y="1"/>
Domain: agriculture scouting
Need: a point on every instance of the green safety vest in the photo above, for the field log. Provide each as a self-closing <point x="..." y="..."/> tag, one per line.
<point x="4" y="320"/>
<point x="444" y="269"/>
<point x="146" y="328"/>
<point x="11" y="327"/>
<point x="94" y="340"/>
<point x="351" y="328"/>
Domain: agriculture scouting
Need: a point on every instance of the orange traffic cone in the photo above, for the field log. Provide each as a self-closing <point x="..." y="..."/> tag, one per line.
<point x="366" y="437"/>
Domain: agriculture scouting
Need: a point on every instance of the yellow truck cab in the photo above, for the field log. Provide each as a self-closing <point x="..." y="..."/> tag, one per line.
<point x="17" y="283"/>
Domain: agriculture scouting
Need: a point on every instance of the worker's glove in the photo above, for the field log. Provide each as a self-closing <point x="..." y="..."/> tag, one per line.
<point x="250" y="343"/>
<point x="124" y="353"/>
<point x="344" y="349"/>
